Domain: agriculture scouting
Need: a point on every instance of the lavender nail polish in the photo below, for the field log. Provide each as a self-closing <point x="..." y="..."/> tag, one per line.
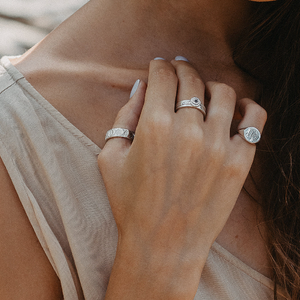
<point x="181" y="58"/>
<point x="134" y="88"/>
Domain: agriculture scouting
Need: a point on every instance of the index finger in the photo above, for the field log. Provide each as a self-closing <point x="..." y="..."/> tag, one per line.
<point x="162" y="87"/>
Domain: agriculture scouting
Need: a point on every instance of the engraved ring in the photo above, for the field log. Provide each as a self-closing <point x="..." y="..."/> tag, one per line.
<point x="119" y="133"/>
<point x="193" y="103"/>
<point x="250" y="134"/>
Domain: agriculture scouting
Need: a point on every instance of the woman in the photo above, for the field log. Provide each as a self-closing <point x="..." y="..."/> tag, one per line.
<point x="177" y="187"/>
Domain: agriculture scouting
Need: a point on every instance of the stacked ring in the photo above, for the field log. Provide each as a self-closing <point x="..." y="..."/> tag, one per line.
<point x="192" y="103"/>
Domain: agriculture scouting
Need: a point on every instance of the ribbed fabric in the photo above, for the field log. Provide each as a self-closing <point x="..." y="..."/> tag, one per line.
<point x="54" y="169"/>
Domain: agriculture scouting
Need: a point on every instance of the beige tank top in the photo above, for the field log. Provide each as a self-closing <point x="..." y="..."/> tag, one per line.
<point x="53" y="167"/>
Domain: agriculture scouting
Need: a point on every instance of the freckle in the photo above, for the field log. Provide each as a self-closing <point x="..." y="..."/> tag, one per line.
<point x="236" y="236"/>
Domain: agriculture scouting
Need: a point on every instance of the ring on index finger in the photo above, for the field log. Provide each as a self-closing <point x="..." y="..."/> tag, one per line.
<point x="194" y="102"/>
<point x="119" y="133"/>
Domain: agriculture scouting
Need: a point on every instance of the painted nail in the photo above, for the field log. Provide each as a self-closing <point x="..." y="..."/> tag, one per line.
<point x="159" y="58"/>
<point x="181" y="58"/>
<point x="134" y="88"/>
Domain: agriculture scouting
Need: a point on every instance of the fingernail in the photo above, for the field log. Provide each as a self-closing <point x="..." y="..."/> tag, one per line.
<point x="181" y="58"/>
<point x="134" y="88"/>
<point x="159" y="58"/>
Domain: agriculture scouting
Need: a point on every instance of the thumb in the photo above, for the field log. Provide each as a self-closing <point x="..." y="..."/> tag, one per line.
<point x="128" y="117"/>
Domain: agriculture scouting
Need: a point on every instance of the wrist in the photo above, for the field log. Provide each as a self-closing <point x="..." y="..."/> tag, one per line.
<point x="154" y="270"/>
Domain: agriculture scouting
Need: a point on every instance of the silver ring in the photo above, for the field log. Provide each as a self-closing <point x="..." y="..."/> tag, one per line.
<point x="250" y="134"/>
<point x="193" y="103"/>
<point x="119" y="133"/>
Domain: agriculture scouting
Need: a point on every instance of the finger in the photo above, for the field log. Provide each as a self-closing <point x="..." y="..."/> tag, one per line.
<point x="221" y="108"/>
<point x="162" y="87"/>
<point x="128" y="118"/>
<point x="189" y="85"/>
<point x="253" y="116"/>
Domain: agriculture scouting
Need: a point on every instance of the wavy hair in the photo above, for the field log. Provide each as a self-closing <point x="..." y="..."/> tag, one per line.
<point x="270" y="52"/>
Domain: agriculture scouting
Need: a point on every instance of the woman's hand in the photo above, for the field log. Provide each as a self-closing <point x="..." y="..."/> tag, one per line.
<point x="172" y="190"/>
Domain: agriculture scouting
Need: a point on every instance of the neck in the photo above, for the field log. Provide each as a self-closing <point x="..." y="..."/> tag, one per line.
<point x="97" y="55"/>
<point x="112" y="42"/>
<point x="110" y="31"/>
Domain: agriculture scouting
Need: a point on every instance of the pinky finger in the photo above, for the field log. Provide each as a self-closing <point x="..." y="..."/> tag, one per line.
<point x="253" y="115"/>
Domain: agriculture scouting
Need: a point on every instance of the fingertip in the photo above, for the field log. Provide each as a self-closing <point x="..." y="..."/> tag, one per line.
<point x="138" y="90"/>
<point x="178" y="60"/>
<point x="181" y="58"/>
<point x="134" y="88"/>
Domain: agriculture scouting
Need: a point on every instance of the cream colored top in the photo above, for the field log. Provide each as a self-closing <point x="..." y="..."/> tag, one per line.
<point x="53" y="167"/>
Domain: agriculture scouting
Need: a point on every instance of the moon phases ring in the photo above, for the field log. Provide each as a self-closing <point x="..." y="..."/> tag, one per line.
<point x="193" y="103"/>
<point x="250" y="134"/>
<point x="119" y="133"/>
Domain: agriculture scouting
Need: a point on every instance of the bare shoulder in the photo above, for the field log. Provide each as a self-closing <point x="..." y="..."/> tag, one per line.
<point x="88" y="95"/>
<point x="25" y="271"/>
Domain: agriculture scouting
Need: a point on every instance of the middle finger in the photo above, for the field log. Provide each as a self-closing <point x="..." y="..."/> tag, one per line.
<point x="189" y="85"/>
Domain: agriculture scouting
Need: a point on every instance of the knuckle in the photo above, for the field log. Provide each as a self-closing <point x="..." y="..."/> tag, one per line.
<point x="262" y="114"/>
<point x="158" y="123"/>
<point x="191" y="135"/>
<point x="103" y="158"/>
<point x="217" y="114"/>
<point x="164" y="74"/>
<point x="193" y="80"/>
<point x="161" y="120"/>
<point x="257" y="110"/>
<point x="254" y="107"/>
<point x="224" y="89"/>
<point x="217" y="152"/>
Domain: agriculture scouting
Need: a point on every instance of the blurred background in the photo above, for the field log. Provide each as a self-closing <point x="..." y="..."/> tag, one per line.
<point x="23" y="23"/>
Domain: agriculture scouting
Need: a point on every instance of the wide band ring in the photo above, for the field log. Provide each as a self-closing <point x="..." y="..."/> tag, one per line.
<point x="192" y="103"/>
<point x="250" y="134"/>
<point x="119" y="133"/>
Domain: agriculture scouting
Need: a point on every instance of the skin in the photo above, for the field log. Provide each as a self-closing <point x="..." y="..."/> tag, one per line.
<point x="26" y="272"/>
<point x="166" y="226"/>
<point x="87" y="77"/>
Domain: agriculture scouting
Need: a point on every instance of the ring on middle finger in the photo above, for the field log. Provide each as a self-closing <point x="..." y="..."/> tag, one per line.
<point x="194" y="102"/>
